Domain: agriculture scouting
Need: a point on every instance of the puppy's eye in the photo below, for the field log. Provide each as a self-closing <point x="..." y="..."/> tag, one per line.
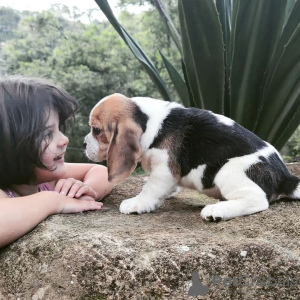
<point x="96" y="130"/>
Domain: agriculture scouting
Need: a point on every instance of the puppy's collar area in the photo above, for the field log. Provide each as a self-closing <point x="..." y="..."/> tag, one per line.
<point x="156" y="111"/>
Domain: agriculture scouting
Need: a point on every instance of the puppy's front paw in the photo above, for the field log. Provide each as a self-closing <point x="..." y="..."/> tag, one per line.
<point x="212" y="212"/>
<point x="138" y="205"/>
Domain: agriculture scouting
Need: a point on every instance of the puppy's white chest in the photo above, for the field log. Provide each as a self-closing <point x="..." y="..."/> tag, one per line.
<point x="157" y="158"/>
<point x="146" y="163"/>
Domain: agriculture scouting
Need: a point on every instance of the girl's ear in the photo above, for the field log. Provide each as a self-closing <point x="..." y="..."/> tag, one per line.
<point x="124" y="150"/>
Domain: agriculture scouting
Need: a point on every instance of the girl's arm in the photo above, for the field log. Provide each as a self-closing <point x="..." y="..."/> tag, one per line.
<point x="92" y="175"/>
<point x="20" y="215"/>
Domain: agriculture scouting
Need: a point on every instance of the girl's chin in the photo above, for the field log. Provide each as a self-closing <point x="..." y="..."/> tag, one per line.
<point x="59" y="171"/>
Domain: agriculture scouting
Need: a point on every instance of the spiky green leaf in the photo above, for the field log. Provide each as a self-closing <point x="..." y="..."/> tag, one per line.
<point x="178" y="82"/>
<point x="285" y="134"/>
<point x="136" y="50"/>
<point x="163" y="11"/>
<point x="203" y="52"/>
<point x="224" y="8"/>
<point x="269" y="103"/>
<point x="256" y="28"/>
<point x="282" y="99"/>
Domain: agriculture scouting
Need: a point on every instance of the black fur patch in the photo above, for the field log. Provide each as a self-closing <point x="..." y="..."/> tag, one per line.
<point x="202" y="139"/>
<point x="140" y="118"/>
<point x="272" y="176"/>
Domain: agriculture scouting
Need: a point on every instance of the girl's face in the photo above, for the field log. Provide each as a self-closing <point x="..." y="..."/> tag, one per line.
<point x="55" y="145"/>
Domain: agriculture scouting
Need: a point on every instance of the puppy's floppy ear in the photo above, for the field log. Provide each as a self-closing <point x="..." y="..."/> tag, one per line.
<point x="124" y="150"/>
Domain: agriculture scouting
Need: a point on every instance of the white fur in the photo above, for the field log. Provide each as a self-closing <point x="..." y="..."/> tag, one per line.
<point x="223" y="119"/>
<point x="296" y="194"/>
<point x="193" y="179"/>
<point x="92" y="148"/>
<point x="158" y="187"/>
<point x="243" y="195"/>
<point x="156" y="112"/>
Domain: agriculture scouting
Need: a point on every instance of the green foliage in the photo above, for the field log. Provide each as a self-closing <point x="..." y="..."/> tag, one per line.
<point x="9" y="20"/>
<point x="239" y="58"/>
<point x="87" y="60"/>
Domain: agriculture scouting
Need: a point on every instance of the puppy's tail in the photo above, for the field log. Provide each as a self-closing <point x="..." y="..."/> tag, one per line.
<point x="291" y="187"/>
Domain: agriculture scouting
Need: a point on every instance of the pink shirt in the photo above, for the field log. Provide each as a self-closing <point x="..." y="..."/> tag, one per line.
<point x="42" y="187"/>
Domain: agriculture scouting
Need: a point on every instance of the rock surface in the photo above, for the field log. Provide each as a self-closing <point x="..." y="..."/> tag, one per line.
<point x="107" y="255"/>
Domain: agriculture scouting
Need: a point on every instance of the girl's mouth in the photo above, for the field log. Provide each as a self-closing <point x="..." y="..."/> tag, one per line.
<point x="59" y="157"/>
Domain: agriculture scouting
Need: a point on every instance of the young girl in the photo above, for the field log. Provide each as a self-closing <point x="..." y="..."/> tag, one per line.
<point x="35" y="182"/>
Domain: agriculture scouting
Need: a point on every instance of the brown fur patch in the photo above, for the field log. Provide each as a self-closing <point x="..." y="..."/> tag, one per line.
<point x="114" y="109"/>
<point x="119" y="140"/>
<point x="171" y="144"/>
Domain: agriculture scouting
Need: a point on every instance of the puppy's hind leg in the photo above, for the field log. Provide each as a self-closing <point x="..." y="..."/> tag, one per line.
<point x="244" y="197"/>
<point x="234" y="208"/>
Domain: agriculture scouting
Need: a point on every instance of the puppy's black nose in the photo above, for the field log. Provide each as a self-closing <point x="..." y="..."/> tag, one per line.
<point x="84" y="145"/>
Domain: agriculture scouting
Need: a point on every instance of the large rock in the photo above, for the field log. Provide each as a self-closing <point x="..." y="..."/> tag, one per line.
<point x="107" y="255"/>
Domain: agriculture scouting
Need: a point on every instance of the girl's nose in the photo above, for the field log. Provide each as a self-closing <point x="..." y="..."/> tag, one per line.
<point x="63" y="141"/>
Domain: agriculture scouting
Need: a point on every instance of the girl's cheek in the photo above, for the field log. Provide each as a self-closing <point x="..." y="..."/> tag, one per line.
<point x="47" y="157"/>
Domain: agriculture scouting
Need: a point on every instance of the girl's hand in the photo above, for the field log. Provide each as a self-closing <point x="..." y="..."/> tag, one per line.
<point x="75" y="189"/>
<point x="71" y="205"/>
<point x="80" y="197"/>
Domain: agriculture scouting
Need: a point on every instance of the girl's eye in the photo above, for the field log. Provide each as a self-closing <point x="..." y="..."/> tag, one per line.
<point x="48" y="135"/>
<point x="96" y="130"/>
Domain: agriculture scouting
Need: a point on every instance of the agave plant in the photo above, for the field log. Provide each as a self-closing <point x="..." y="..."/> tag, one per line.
<point x="240" y="58"/>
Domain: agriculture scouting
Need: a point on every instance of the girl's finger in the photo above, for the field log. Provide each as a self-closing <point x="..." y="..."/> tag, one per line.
<point x="74" y="189"/>
<point x="67" y="186"/>
<point x="81" y="191"/>
<point x="59" y="185"/>
<point x="86" y="198"/>
<point x="92" y="205"/>
<point x="85" y="190"/>
<point x="74" y="206"/>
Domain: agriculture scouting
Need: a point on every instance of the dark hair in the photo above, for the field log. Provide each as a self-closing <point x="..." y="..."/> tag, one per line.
<point x="25" y="105"/>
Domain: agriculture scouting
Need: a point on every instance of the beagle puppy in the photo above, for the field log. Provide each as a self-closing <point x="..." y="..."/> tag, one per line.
<point x="186" y="147"/>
